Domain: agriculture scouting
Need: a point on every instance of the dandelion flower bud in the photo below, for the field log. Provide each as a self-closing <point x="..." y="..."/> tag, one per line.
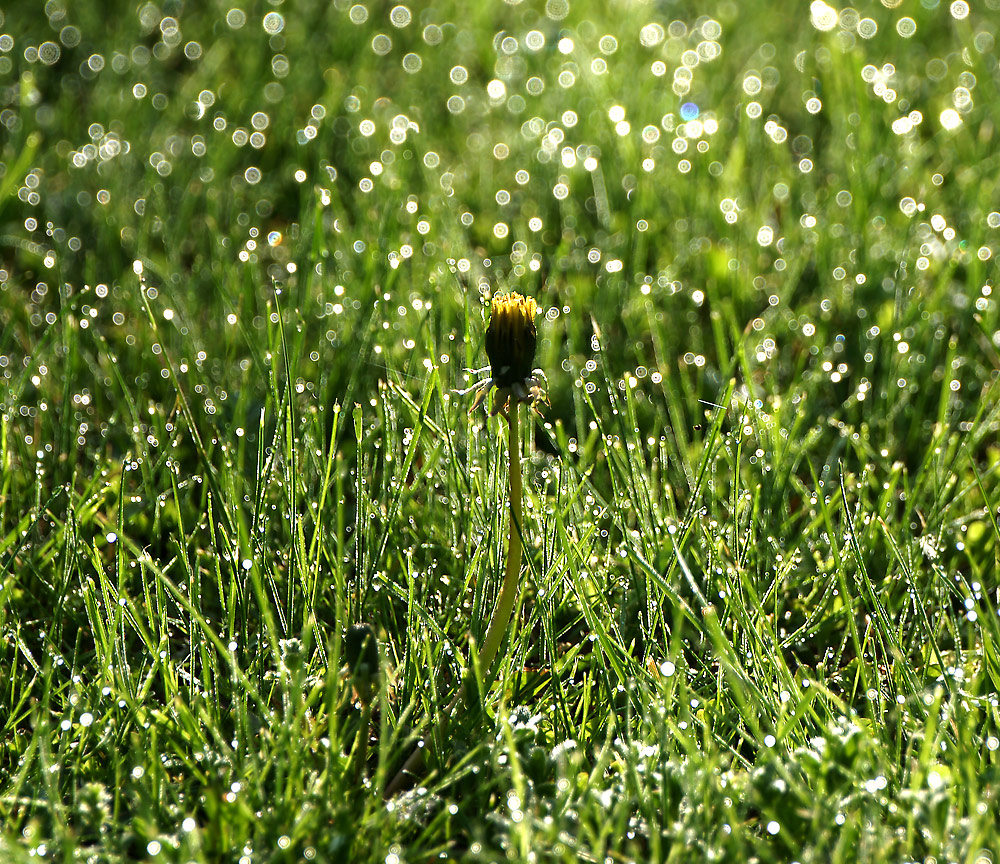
<point x="511" y="338"/>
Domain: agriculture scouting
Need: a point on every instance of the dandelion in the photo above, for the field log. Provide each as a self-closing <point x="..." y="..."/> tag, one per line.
<point x="510" y="346"/>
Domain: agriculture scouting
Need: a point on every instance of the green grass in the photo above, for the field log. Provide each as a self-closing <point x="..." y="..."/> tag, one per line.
<point x="759" y="614"/>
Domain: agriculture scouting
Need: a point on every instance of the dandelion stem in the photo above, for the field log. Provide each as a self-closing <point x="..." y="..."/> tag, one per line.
<point x="506" y="601"/>
<point x="509" y="589"/>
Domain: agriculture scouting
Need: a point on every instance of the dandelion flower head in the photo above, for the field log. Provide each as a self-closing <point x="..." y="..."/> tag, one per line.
<point x="511" y="338"/>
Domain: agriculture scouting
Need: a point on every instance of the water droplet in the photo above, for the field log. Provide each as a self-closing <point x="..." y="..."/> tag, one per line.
<point x="950" y="119"/>
<point x="274" y="22"/>
<point x="651" y="35"/>
<point x="400" y="16"/>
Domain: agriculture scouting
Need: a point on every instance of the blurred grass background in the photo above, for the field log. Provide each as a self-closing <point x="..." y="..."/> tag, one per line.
<point x="244" y="253"/>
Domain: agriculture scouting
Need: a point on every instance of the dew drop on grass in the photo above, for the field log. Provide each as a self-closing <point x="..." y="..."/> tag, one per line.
<point x="274" y="23"/>
<point x="651" y="35"/>
<point x="950" y="119"/>
<point x="867" y="28"/>
<point x="400" y="16"/>
<point x="49" y="53"/>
